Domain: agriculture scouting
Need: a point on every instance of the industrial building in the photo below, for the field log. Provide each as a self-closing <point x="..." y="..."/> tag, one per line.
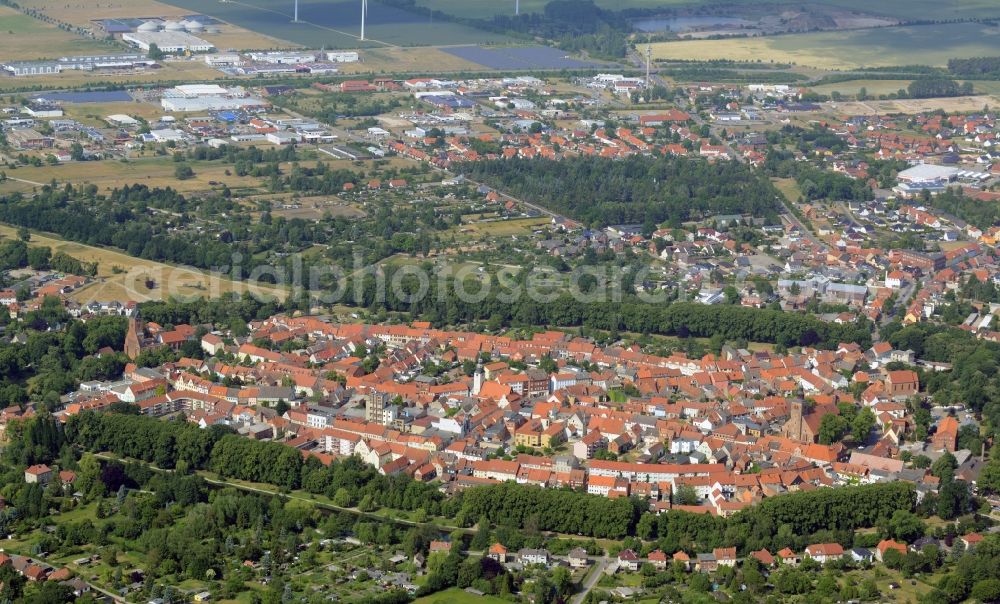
<point x="343" y="56"/>
<point x="924" y="177"/>
<point x="26" y="138"/>
<point x="81" y="63"/>
<point x="190" y="23"/>
<point x="209" y="97"/>
<point x="283" y="58"/>
<point x="224" y="60"/>
<point x="168" y="41"/>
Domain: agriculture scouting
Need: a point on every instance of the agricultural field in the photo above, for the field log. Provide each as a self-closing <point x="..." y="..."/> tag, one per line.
<point x="408" y="60"/>
<point x="926" y="9"/>
<point x="962" y="104"/>
<point x="841" y="50"/>
<point x="880" y="87"/>
<point x="26" y="38"/>
<point x="338" y="24"/>
<point x="123" y="277"/>
<point x="82" y="13"/>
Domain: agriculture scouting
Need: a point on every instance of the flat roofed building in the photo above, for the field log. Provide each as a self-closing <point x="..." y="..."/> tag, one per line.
<point x="168" y="41"/>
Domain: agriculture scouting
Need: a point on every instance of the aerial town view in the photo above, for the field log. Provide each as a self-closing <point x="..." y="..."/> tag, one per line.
<point x="535" y="301"/>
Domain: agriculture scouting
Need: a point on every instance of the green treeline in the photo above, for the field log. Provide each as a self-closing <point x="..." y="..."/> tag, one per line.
<point x="829" y="514"/>
<point x="975" y="212"/>
<point x="979" y="68"/>
<point x="561" y="511"/>
<point x="932" y="87"/>
<point x="631" y="314"/>
<point x="185" y="446"/>
<point x="352" y="482"/>
<point x="15" y="253"/>
<point x="640" y="189"/>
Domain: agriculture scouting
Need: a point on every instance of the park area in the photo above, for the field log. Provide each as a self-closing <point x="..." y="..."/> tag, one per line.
<point x="846" y="50"/>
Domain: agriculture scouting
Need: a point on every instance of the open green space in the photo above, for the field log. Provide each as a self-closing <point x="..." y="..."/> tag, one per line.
<point x="458" y="596"/>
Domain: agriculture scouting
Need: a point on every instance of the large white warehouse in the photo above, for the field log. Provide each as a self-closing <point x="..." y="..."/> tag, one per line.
<point x="168" y="41"/>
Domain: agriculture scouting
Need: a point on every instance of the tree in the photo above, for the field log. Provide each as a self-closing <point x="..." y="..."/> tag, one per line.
<point x="367" y="504"/>
<point x="906" y="526"/>
<point x="183" y="172"/>
<point x="154" y="52"/>
<point x="831" y="428"/>
<point x="944" y="467"/>
<point x="342" y="498"/>
<point x="862" y="424"/>
<point x="987" y="590"/>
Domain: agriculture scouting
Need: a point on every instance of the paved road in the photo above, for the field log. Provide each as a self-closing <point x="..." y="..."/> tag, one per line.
<point x="591" y="580"/>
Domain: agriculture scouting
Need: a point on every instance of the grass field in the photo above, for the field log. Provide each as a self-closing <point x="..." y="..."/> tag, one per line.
<point x="25" y="38"/>
<point x="171" y="281"/>
<point x="923" y="45"/>
<point x="457" y="596"/>
<point x="788" y="187"/>
<point x="338" y="24"/>
<point x="501" y="228"/>
<point x="929" y="9"/>
<point x="152" y="172"/>
<point x="872" y="87"/>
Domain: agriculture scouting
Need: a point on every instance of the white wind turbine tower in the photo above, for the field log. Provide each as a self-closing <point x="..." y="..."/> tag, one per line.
<point x="517" y="7"/>
<point x="295" y="19"/>
<point x="364" y="13"/>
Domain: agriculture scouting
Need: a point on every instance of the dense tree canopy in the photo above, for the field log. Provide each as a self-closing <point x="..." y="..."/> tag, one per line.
<point x="639" y="189"/>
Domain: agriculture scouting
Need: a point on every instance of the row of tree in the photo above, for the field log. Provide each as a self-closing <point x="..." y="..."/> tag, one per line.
<point x="631" y="314"/>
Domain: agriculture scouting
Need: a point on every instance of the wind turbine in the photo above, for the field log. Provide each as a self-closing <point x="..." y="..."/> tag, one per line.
<point x="517" y="7"/>
<point x="364" y="12"/>
<point x="295" y="19"/>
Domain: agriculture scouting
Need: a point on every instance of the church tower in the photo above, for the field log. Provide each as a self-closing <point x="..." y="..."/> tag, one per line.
<point x="133" y="339"/>
<point x="477" y="380"/>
